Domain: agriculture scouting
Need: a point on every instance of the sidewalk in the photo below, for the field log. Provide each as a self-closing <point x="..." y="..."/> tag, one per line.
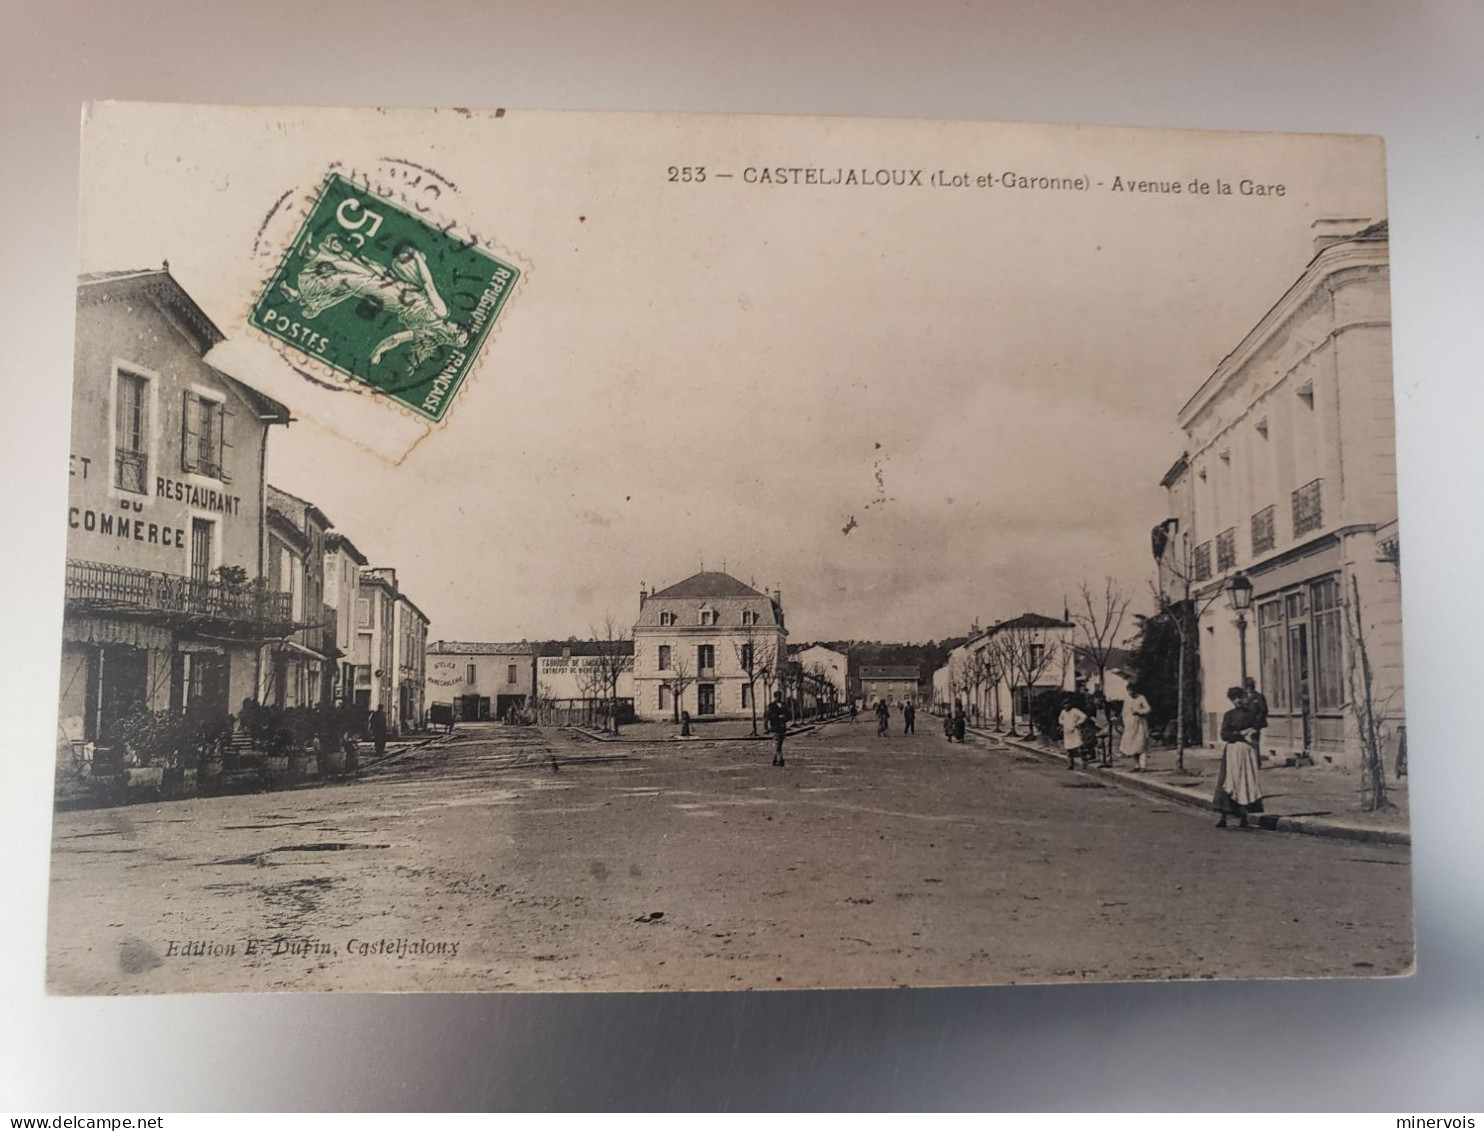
<point x="1318" y="800"/>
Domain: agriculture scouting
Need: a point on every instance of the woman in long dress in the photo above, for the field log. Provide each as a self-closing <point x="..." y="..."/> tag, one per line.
<point x="1238" y="791"/>
<point x="1135" y="742"/>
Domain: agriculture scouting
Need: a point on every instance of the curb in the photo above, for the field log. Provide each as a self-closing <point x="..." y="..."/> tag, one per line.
<point x="1274" y="822"/>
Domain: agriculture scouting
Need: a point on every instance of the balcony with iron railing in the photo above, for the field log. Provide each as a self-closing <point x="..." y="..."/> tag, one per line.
<point x="100" y="588"/>
<point x="1308" y="508"/>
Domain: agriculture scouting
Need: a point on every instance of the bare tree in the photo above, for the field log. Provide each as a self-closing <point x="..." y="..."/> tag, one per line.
<point x="1370" y="716"/>
<point x="754" y="657"/>
<point x="1099" y="622"/>
<point x="681" y="677"/>
<point x="614" y="646"/>
<point x="976" y="672"/>
<point x="993" y="658"/>
<point x="1030" y="656"/>
<point x="824" y="688"/>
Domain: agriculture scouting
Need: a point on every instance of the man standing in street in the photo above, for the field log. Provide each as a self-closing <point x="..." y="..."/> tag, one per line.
<point x="909" y="718"/>
<point x="378" y="730"/>
<point x="1257" y="709"/>
<point x="775" y="719"/>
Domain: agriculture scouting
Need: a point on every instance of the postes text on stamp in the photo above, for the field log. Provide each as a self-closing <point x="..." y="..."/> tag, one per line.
<point x="381" y="295"/>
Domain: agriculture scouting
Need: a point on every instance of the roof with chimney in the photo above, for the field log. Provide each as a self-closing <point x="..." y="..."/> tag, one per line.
<point x="720" y="592"/>
<point x="164" y="290"/>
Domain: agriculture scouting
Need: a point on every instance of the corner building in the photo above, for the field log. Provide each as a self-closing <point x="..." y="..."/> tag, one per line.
<point x="1290" y="477"/>
<point x="165" y="603"/>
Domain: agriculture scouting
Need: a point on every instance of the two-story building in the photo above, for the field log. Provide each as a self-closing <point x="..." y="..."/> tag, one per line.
<point x="894" y="684"/>
<point x="482" y="679"/>
<point x="1290" y="481"/>
<point x="299" y="669"/>
<point x="998" y="672"/>
<point x="708" y="645"/>
<point x="827" y="668"/>
<point x="165" y="607"/>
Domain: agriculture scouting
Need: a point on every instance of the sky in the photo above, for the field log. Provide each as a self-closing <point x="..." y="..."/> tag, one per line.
<point x="909" y="408"/>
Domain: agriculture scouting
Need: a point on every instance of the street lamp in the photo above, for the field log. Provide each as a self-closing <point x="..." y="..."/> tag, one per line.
<point x="1239" y="593"/>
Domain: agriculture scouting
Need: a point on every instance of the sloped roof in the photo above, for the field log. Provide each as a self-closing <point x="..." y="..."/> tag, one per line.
<point x="1031" y="620"/>
<point x="479" y="648"/>
<point x="159" y="283"/>
<point x="891" y="671"/>
<point x="707" y="584"/>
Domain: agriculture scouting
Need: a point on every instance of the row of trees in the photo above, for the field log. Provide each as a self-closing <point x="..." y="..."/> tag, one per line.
<point x="1023" y="656"/>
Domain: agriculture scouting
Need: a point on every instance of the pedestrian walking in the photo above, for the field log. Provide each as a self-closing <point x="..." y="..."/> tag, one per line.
<point x="852" y="709"/>
<point x="775" y="718"/>
<point x="883" y="717"/>
<point x="378" y="730"/>
<point x="960" y="722"/>
<point x="1071" y="719"/>
<point x="1238" y="790"/>
<point x="1257" y="706"/>
<point x="909" y="719"/>
<point x="1136" y="729"/>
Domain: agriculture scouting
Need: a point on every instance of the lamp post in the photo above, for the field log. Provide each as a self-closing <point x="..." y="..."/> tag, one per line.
<point x="1239" y="593"/>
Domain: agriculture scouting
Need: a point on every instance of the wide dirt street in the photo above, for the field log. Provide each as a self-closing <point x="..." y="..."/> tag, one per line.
<point x="521" y="859"/>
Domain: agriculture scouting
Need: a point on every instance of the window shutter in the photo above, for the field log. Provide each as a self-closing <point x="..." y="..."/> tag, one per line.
<point x="223" y="444"/>
<point x="219" y="419"/>
<point x="190" y="440"/>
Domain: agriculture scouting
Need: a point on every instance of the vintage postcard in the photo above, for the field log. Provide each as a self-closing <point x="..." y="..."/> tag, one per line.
<point x="564" y="551"/>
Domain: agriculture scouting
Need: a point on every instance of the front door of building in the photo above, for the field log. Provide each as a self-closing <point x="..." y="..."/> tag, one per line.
<point x="705" y="699"/>
<point x="123" y="688"/>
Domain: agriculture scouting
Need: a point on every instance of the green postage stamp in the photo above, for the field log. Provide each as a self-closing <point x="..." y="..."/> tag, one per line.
<point x="384" y="297"/>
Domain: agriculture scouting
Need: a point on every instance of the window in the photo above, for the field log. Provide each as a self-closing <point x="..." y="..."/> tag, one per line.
<point x="746" y="658"/>
<point x="664" y="699"/>
<point x="511" y="674"/>
<point x="1325" y="612"/>
<point x="201" y="436"/>
<point x="1300" y="638"/>
<point x="1202" y="564"/>
<point x="667" y="619"/>
<point x="202" y="530"/>
<point x="749" y="616"/>
<point x="706" y="657"/>
<point x="363" y="612"/>
<point x="1264" y="530"/>
<point x="746" y="695"/>
<point x="708" y="616"/>
<point x="131" y="433"/>
<point x="1226" y="550"/>
<point x="1038" y="652"/>
<point x="363" y="675"/>
<point x="469" y="673"/>
<point x="1308" y="507"/>
<point x="664" y="657"/>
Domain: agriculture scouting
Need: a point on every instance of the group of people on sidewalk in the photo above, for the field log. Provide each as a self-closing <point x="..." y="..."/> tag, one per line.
<point x="1238" y="788"/>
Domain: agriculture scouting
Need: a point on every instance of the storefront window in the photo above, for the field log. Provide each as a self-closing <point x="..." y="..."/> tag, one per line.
<point x="1301" y="648"/>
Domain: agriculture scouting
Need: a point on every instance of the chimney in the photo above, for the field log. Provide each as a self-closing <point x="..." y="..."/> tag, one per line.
<point x="643" y="594"/>
<point x="778" y="597"/>
<point x="1331" y="230"/>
